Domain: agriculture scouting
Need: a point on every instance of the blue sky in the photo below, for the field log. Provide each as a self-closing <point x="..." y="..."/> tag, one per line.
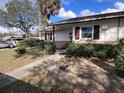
<point x="75" y="8"/>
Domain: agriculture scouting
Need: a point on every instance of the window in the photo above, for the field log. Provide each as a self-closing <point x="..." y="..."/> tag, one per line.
<point x="86" y="32"/>
<point x="77" y="32"/>
<point x="48" y="36"/>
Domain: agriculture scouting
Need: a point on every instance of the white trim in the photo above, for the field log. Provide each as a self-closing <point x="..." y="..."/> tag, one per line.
<point x="73" y="33"/>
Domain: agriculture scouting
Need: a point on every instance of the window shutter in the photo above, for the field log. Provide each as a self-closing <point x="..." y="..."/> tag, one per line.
<point x="50" y="36"/>
<point x="45" y="36"/>
<point x="96" y="31"/>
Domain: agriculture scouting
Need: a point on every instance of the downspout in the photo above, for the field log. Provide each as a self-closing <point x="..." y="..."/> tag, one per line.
<point x="118" y="29"/>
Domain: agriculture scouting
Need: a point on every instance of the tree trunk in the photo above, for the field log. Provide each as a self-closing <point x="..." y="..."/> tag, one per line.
<point x="27" y="33"/>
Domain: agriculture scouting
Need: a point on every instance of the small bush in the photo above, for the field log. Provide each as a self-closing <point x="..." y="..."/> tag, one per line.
<point x="20" y="51"/>
<point x="119" y="61"/>
<point x="30" y="43"/>
<point x="50" y="48"/>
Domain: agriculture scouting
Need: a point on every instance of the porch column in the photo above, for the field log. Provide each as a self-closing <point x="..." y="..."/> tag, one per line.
<point x="80" y="34"/>
<point x="118" y="29"/>
<point x="53" y="33"/>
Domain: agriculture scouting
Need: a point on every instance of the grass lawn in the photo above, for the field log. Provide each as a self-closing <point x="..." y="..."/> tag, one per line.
<point x="9" y="60"/>
<point x="82" y="76"/>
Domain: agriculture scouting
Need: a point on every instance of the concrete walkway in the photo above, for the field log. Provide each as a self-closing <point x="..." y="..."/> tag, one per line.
<point x="17" y="74"/>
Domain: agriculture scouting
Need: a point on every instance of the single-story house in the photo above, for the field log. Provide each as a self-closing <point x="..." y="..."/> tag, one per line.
<point x="100" y="28"/>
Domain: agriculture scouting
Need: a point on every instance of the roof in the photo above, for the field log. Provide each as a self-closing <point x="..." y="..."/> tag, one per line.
<point x="91" y="18"/>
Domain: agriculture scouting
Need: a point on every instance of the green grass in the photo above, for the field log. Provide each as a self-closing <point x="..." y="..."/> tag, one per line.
<point x="9" y="60"/>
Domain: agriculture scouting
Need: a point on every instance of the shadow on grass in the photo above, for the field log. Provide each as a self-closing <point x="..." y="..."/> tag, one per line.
<point x="82" y="76"/>
<point x="116" y="85"/>
<point x="18" y="86"/>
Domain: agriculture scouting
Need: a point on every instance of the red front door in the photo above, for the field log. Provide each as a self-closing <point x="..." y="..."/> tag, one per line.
<point x="77" y="33"/>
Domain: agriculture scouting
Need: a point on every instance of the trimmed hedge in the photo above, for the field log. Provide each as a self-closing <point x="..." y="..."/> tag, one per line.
<point x="31" y="43"/>
<point x="91" y="50"/>
<point x="119" y="61"/>
<point x="47" y="47"/>
<point x="50" y="48"/>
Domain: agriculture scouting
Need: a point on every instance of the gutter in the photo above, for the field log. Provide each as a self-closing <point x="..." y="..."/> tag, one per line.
<point x="72" y="22"/>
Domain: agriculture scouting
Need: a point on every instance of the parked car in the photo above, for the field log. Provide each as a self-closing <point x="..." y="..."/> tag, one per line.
<point x="3" y="44"/>
<point x="9" y="43"/>
<point x="12" y="42"/>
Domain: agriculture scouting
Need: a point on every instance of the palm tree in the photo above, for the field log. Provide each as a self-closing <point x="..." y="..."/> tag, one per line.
<point x="48" y="8"/>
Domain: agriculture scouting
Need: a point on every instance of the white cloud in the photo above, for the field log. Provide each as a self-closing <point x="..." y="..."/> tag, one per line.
<point x="66" y="14"/>
<point x="118" y="6"/>
<point x="11" y="30"/>
<point x="3" y="30"/>
<point x="109" y="10"/>
<point x="86" y="12"/>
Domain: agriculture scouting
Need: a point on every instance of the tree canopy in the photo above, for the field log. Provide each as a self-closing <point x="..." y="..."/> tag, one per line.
<point x="23" y="14"/>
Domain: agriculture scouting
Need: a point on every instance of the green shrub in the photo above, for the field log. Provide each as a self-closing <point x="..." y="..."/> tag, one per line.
<point x="30" y="43"/>
<point x="20" y="51"/>
<point x="72" y="49"/>
<point x="50" y="48"/>
<point x="79" y="50"/>
<point x="90" y="50"/>
<point x="104" y="50"/>
<point x="121" y="42"/>
<point x="75" y="49"/>
<point x="120" y="64"/>
<point x="119" y="61"/>
<point x="41" y="45"/>
<point x="101" y="54"/>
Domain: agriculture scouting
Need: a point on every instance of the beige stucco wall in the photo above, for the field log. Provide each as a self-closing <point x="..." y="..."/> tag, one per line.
<point x="62" y="35"/>
<point x="121" y="29"/>
<point x="109" y="34"/>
